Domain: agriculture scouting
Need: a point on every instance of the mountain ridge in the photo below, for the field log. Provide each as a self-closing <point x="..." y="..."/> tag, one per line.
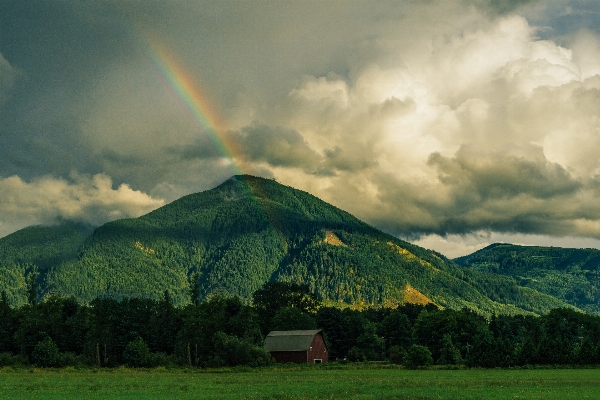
<point x="568" y="274"/>
<point x="248" y="231"/>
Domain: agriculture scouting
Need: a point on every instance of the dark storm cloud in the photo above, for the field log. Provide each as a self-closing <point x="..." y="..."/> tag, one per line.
<point x="503" y="192"/>
<point x="282" y="147"/>
<point x="353" y="158"/>
<point x="202" y="148"/>
<point x="507" y="190"/>
<point x="278" y="146"/>
<point x="62" y="42"/>
<point x="91" y="101"/>
<point x="500" y="174"/>
<point x="59" y="49"/>
<point x="52" y="147"/>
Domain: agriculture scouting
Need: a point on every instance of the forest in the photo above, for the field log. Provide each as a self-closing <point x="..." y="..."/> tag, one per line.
<point x="225" y="331"/>
<point x="570" y="275"/>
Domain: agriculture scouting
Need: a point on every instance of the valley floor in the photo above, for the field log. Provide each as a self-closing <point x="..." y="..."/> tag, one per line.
<point x="300" y="383"/>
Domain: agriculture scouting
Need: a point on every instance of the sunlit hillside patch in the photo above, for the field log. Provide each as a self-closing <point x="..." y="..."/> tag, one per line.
<point x="411" y="257"/>
<point x="332" y="239"/>
<point x="413" y="296"/>
<point x="146" y="250"/>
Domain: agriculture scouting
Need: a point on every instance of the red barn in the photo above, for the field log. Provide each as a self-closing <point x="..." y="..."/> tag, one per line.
<point x="297" y="346"/>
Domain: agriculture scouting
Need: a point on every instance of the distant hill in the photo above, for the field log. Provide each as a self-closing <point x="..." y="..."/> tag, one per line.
<point x="570" y="275"/>
<point x="241" y="234"/>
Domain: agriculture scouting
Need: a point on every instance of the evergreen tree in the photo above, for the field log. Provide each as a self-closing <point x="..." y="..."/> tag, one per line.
<point x="396" y="329"/>
<point x="274" y="296"/>
<point x="370" y="343"/>
<point x="7" y="325"/>
<point x="587" y="353"/>
<point x="195" y="290"/>
<point x="32" y="286"/>
<point x="449" y="354"/>
<point x="291" y="318"/>
<point x="164" y="324"/>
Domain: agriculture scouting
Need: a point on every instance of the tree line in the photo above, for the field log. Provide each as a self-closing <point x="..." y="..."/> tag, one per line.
<point x="225" y="331"/>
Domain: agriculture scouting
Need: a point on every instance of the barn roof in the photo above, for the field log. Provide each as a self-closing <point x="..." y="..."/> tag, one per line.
<point x="290" y="340"/>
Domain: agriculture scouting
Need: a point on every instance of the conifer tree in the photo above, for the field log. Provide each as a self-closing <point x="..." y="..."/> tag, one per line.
<point x="32" y="286"/>
<point x="449" y="354"/>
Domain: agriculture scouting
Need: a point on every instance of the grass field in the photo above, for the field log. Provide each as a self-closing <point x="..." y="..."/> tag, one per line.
<point x="301" y="383"/>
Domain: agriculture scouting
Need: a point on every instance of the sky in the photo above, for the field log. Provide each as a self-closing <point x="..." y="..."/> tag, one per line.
<point x="453" y="124"/>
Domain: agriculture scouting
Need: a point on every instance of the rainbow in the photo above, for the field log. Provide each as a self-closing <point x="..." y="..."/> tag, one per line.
<point x="194" y="101"/>
<point x="198" y="108"/>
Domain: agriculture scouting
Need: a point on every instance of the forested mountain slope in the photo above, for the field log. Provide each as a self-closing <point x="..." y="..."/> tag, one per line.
<point x="37" y="248"/>
<point x="245" y="232"/>
<point x="571" y="275"/>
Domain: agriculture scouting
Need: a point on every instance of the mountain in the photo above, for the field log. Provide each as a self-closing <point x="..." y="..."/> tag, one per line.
<point x="570" y="275"/>
<point x="241" y="234"/>
<point x="40" y="247"/>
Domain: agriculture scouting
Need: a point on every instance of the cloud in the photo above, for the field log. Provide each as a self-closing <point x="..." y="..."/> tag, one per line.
<point x="422" y="117"/>
<point x="8" y="76"/>
<point x="500" y="7"/>
<point x="281" y="147"/>
<point x="277" y="146"/>
<point x="503" y="173"/>
<point x="87" y="199"/>
<point x="488" y="129"/>
<point x="461" y="245"/>
<point x="586" y="47"/>
<point x="508" y="190"/>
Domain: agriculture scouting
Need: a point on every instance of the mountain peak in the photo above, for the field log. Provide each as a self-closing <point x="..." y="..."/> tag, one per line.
<point x="248" y="231"/>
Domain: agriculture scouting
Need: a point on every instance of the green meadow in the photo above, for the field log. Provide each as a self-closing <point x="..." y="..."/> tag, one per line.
<point x="300" y="383"/>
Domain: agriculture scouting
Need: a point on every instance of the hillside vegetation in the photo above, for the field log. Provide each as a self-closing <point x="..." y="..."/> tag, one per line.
<point x="232" y="239"/>
<point x="37" y="248"/>
<point x="570" y="275"/>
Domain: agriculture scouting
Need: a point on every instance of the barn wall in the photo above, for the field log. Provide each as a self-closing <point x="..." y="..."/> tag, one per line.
<point x="319" y="350"/>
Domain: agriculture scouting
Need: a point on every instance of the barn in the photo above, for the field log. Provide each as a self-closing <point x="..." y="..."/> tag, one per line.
<point x="297" y="346"/>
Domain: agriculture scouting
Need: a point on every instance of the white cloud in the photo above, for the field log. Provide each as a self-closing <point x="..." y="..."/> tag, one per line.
<point x="87" y="199"/>
<point x="453" y="246"/>
<point x="586" y="49"/>
<point x="511" y="119"/>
